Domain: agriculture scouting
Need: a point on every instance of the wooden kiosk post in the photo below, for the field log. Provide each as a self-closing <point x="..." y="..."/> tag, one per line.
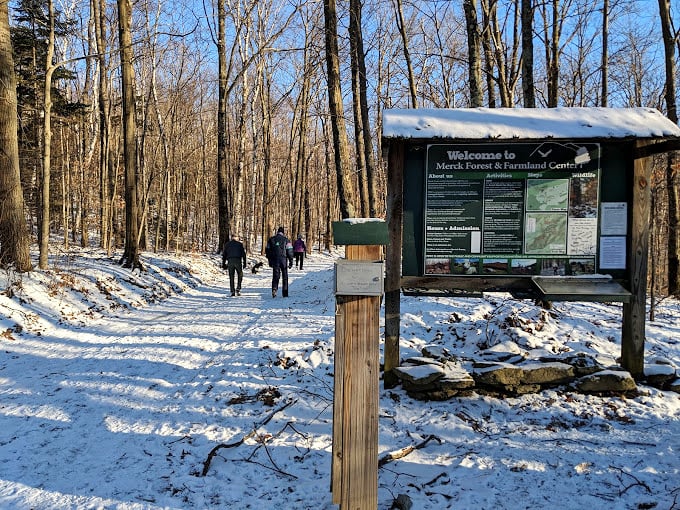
<point x="634" y="311"/>
<point x="358" y="286"/>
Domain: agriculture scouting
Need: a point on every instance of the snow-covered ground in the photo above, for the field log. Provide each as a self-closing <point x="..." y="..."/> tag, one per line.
<point x="116" y="386"/>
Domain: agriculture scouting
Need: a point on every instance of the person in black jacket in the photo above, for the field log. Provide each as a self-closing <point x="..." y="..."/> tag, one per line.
<point x="279" y="253"/>
<point x="232" y="255"/>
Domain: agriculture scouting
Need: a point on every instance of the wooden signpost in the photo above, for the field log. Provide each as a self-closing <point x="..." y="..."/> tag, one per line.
<point x="359" y="286"/>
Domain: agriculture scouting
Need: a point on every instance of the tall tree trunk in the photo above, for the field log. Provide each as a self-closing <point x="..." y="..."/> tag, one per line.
<point x="301" y="167"/>
<point x="106" y="170"/>
<point x="671" y="171"/>
<point x="359" y="152"/>
<point x="87" y="144"/>
<point x="131" y="254"/>
<point x="488" y="12"/>
<point x="358" y="53"/>
<point x="306" y="204"/>
<point x="346" y="191"/>
<point x="329" y="191"/>
<point x="605" y="53"/>
<point x="266" y="167"/>
<point x="399" y="12"/>
<point x="502" y="68"/>
<point x="222" y="178"/>
<point x="474" y="59"/>
<point x="14" y="241"/>
<point x="162" y="140"/>
<point x="528" y="91"/>
<point x="66" y="187"/>
<point x="47" y="143"/>
<point x="246" y="110"/>
<point x="552" y="50"/>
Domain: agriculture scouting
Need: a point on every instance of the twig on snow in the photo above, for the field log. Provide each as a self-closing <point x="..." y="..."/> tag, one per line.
<point x="637" y="483"/>
<point x="267" y="419"/>
<point x="399" y="454"/>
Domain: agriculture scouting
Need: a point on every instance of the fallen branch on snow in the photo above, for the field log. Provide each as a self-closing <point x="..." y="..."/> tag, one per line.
<point x="213" y="452"/>
<point x="399" y="454"/>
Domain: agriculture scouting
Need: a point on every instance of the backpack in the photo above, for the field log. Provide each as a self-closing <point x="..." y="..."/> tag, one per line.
<point x="274" y="251"/>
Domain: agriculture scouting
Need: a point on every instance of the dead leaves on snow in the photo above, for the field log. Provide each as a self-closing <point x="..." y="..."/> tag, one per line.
<point x="267" y="396"/>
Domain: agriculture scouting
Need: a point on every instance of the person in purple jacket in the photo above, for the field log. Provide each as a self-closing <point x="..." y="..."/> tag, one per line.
<point x="299" y="249"/>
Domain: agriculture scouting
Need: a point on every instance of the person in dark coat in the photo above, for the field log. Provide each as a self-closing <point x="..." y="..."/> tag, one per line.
<point x="234" y="260"/>
<point x="299" y="249"/>
<point x="279" y="253"/>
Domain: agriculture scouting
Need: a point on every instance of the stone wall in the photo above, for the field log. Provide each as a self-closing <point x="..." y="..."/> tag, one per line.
<point x="437" y="375"/>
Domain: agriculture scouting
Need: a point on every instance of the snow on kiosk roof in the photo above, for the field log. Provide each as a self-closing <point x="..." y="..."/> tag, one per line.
<point x="527" y="123"/>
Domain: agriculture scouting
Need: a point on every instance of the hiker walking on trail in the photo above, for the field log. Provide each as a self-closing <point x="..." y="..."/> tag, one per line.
<point x="232" y="255"/>
<point x="299" y="249"/>
<point x="279" y="253"/>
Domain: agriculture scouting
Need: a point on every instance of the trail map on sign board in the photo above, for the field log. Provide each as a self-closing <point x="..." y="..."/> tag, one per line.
<point x="512" y="209"/>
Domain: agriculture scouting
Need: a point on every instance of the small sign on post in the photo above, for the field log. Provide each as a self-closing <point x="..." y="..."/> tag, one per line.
<point x="359" y="278"/>
<point x="359" y="285"/>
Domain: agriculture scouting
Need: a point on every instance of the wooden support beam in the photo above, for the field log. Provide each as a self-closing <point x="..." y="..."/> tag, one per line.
<point x="645" y="150"/>
<point x="633" y="328"/>
<point x="395" y="219"/>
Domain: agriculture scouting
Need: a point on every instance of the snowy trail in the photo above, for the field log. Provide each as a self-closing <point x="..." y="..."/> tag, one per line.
<point x="122" y="412"/>
<point x="158" y="382"/>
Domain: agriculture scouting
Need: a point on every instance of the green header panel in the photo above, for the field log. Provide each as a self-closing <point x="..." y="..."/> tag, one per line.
<point x="360" y="232"/>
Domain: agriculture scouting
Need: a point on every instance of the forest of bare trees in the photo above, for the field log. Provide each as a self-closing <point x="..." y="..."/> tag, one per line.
<point x="154" y="125"/>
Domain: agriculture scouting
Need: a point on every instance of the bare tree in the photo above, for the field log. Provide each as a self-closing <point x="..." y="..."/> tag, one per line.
<point x="474" y="58"/>
<point x="50" y="67"/>
<point x="301" y="219"/>
<point x="223" y="208"/>
<point x="489" y="10"/>
<point x="130" y="256"/>
<point x="605" y="53"/>
<point x="672" y="185"/>
<point x="371" y="169"/>
<point x="554" y="14"/>
<point x="552" y="53"/>
<point x="399" y="12"/>
<point x="346" y="191"/>
<point x="106" y="166"/>
<point x="528" y="89"/>
<point x="14" y="246"/>
<point x="357" y="46"/>
<point x="502" y="58"/>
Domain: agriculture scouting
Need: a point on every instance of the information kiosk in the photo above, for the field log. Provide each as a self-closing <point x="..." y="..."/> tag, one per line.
<point x="551" y="204"/>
